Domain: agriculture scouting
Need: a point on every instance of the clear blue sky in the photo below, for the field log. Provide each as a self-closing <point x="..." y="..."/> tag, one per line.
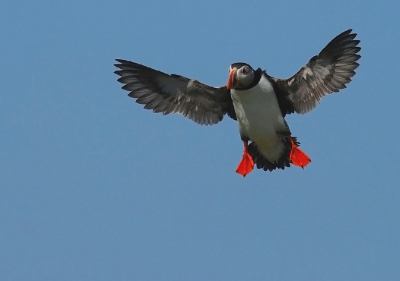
<point x="93" y="187"/>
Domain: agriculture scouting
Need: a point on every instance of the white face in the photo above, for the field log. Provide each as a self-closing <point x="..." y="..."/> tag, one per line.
<point x="244" y="76"/>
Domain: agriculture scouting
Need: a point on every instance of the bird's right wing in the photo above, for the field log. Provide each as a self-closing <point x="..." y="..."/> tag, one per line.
<point x="173" y="93"/>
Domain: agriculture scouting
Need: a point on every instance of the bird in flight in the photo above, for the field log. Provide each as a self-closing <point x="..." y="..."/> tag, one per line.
<point x="258" y="101"/>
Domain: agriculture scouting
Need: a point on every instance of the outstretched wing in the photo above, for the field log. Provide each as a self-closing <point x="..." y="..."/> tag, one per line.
<point x="173" y="93"/>
<point x="325" y="73"/>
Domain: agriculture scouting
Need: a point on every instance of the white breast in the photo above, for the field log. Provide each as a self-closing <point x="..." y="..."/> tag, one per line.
<point x="260" y="118"/>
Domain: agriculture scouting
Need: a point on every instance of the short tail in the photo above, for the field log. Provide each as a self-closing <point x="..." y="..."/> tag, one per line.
<point x="292" y="154"/>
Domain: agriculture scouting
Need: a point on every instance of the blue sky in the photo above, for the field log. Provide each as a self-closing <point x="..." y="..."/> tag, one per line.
<point x="93" y="187"/>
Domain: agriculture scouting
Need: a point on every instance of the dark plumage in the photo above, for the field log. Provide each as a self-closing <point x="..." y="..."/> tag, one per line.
<point x="258" y="101"/>
<point x="165" y="93"/>
<point x="325" y="73"/>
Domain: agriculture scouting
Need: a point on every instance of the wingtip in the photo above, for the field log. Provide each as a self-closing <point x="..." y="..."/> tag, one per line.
<point x="119" y="63"/>
<point x="122" y="61"/>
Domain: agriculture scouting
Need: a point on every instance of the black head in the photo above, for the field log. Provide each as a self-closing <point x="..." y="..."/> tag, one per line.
<point x="242" y="76"/>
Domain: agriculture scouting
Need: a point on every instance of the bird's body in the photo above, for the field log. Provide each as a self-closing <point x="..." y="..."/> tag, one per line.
<point x="258" y="102"/>
<point x="260" y="119"/>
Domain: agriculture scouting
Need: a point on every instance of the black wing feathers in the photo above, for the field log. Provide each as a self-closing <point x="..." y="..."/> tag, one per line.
<point x="167" y="94"/>
<point x="325" y="73"/>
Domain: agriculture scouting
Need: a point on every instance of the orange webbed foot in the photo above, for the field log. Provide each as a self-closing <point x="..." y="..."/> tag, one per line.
<point x="297" y="156"/>
<point x="246" y="165"/>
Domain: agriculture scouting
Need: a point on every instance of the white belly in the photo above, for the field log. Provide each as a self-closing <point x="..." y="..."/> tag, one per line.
<point x="260" y="118"/>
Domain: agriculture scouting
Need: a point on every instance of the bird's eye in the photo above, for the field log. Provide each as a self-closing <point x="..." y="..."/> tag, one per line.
<point x="244" y="71"/>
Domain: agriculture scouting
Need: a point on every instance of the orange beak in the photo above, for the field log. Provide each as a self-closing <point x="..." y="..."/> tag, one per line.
<point x="232" y="77"/>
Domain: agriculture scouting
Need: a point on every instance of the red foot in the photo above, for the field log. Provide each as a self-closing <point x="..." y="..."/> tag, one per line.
<point x="298" y="156"/>
<point x="246" y="165"/>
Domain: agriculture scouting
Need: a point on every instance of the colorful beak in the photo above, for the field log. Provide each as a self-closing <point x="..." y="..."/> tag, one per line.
<point x="232" y="79"/>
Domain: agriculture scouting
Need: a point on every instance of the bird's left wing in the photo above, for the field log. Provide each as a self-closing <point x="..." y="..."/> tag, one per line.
<point x="325" y="73"/>
<point x="173" y="93"/>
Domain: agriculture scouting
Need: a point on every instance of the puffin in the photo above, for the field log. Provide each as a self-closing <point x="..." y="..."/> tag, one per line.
<point x="256" y="100"/>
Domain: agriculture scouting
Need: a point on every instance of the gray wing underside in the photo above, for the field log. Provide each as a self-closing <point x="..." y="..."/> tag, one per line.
<point x="325" y="73"/>
<point x="164" y="93"/>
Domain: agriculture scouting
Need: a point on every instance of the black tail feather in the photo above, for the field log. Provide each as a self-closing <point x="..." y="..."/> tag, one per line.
<point x="263" y="163"/>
